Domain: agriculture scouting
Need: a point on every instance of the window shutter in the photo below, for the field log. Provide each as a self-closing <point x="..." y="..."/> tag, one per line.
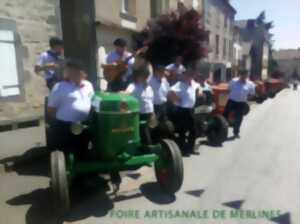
<point x="9" y="82"/>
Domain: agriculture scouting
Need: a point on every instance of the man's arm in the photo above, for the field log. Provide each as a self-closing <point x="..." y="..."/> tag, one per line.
<point x="51" y="111"/>
<point x="50" y="66"/>
<point x="173" y="97"/>
<point x="41" y="64"/>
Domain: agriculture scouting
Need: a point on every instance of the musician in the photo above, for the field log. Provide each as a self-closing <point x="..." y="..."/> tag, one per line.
<point x="160" y="87"/>
<point x="120" y="54"/>
<point x="239" y="90"/>
<point x="183" y="94"/>
<point x="70" y="102"/>
<point x="176" y="70"/>
<point x="50" y="62"/>
<point x="144" y="93"/>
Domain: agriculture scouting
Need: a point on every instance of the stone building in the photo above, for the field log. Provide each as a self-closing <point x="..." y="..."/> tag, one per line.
<point x="241" y="52"/>
<point x="25" y="28"/>
<point x="219" y="21"/>
<point x="288" y="61"/>
<point x="255" y="39"/>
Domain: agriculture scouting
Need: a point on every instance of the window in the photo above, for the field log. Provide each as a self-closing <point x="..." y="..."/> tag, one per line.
<point x="217" y="44"/>
<point x="207" y="12"/>
<point x="129" y="7"/>
<point x="9" y="82"/>
<point x="125" y="6"/>
<point x="158" y="7"/>
<point x="224" y="48"/>
<point x="231" y="50"/>
<point x="218" y="18"/>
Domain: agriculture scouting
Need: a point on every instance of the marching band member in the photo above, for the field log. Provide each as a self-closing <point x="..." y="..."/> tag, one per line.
<point x="70" y="102"/>
<point x="120" y="55"/>
<point x="50" y="62"/>
<point x="239" y="90"/>
<point x="176" y="70"/>
<point x="160" y="87"/>
<point x="144" y="93"/>
<point x="183" y="94"/>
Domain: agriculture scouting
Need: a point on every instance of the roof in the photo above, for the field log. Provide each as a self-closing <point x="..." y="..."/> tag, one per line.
<point x="227" y="3"/>
<point x="288" y="54"/>
<point x="242" y="24"/>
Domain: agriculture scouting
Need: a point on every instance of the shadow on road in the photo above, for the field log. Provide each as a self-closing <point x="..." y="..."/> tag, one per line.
<point x="207" y="143"/>
<point x="153" y="193"/>
<point x="34" y="162"/>
<point x="40" y="210"/>
<point x="86" y="202"/>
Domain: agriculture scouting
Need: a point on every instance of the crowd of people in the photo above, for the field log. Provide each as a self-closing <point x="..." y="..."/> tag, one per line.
<point x="156" y="87"/>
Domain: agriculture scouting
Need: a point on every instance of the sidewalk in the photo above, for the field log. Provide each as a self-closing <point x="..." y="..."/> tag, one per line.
<point x="20" y="142"/>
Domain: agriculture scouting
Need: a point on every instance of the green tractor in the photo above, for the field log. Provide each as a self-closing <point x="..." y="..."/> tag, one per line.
<point x="115" y="145"/>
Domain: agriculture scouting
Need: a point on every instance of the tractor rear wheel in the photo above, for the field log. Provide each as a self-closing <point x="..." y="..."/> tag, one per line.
<point x="59" y="183"/>
<point x="218" y="131"/>
<point x="169" y="168"/>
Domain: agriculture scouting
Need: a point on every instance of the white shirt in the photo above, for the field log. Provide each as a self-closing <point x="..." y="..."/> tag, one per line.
<point x="144" y="94"/>
<point x="160" y="89"/>
<point x="239" y="91"/>
<point x="206" y="87"/>
<point x="179" y="70"/>
<point x="72" y="102"/>
<point x="186" y="93"/>
<point x="113" y="56"/>
<point x="46" y="58"/>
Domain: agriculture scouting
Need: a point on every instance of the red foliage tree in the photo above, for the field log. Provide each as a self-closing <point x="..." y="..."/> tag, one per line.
<point x="175" y="34"/>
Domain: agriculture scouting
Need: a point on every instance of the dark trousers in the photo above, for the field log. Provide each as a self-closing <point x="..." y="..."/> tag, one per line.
<point x="51" y="82"/>
<point x="145" y="129"/>
<point x="238" y="108"/>
<point x="161" y="112"/>
<point x="61" y="138"/>
<point x="183" y="119"/>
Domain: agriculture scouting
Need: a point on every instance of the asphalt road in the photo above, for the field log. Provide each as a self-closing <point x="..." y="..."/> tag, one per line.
<point x="258" y="173"/>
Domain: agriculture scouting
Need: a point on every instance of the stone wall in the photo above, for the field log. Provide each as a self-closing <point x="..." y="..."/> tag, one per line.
<point x="35" y="21"/>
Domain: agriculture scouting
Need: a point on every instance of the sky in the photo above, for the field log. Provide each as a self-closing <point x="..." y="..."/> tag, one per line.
<point x="284" y="13"/>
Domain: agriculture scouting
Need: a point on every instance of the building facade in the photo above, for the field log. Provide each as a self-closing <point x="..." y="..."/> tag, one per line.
<point x="25" y="28"/>
<point x="219" y="21"/>
<point x="255" y="40"/>
<point x="288" y="62"/>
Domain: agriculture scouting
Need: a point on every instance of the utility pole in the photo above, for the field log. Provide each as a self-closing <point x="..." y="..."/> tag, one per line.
<point x="79" y="34"/>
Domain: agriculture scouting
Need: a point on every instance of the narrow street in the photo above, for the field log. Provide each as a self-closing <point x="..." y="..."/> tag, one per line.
<point x="259" y="171"/>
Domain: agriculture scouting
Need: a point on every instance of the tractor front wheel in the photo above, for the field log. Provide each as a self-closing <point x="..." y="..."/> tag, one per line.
<point x="59" y="183"/>
<point x="169" y="168"/>
<point x="218" y="130"/>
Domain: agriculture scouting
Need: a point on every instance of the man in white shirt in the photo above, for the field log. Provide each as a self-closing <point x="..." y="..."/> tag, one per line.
<point x="50" y="62"/>
<point x="70" y="102"/>
<point x="160" y="87"/>
<point x="239" y="90"/>
<point x="144" y="94"/>
<point x="176" y="70"/>
<point x="120" y="54"/>
<point x="183" y="94"/>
